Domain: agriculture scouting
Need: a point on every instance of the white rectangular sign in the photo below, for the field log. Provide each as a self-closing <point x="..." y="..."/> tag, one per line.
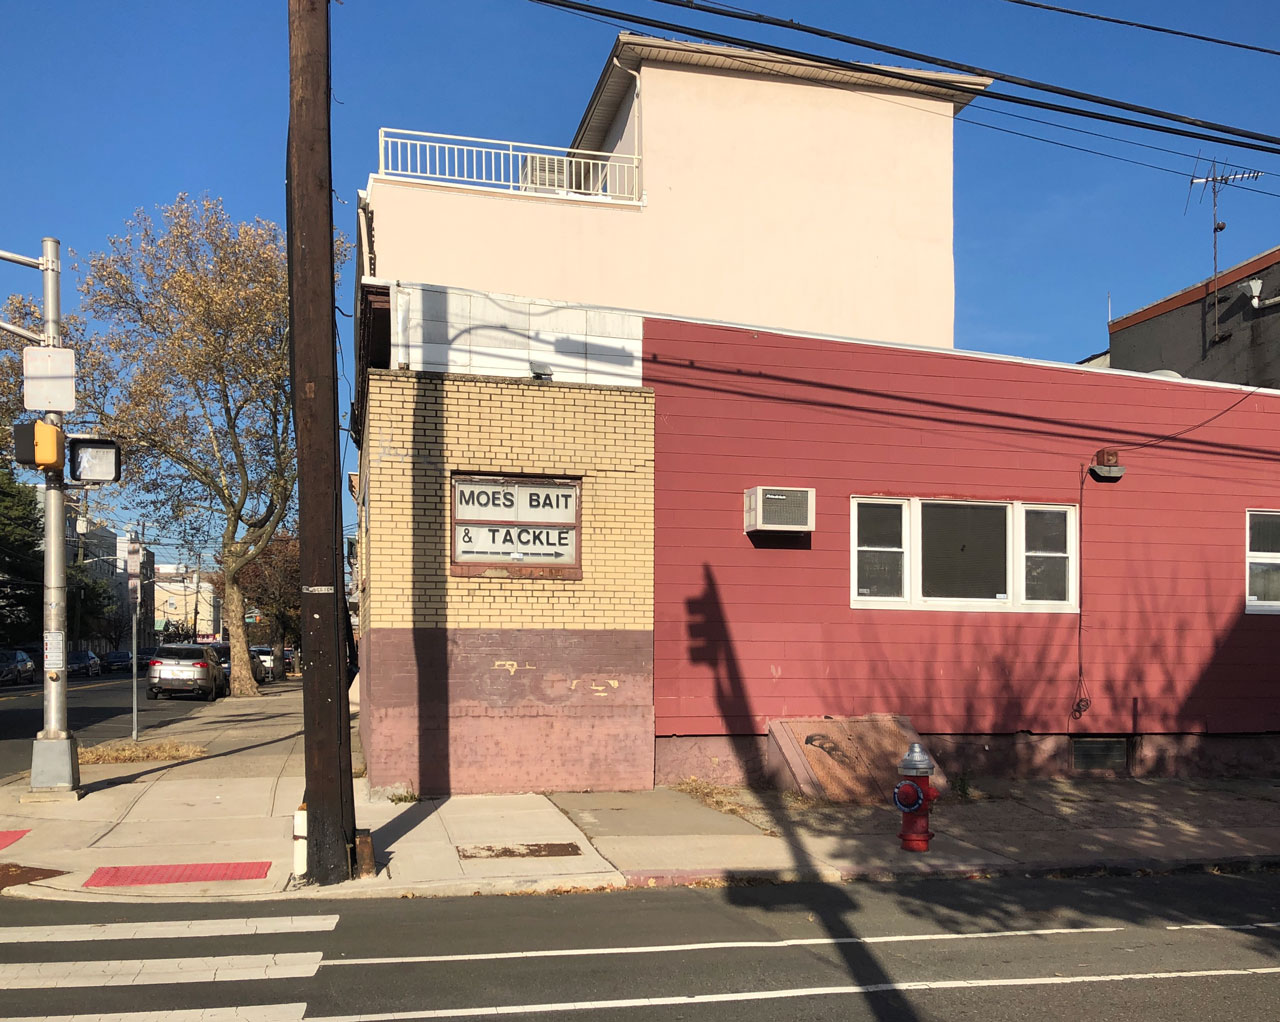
<point x="49" y="379"/>
<point x="551" y="546"/>
<point x="502" y="500"/>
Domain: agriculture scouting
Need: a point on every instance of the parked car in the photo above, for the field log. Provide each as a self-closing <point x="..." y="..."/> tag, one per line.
<point x="144" y="657"/>
<point x="85" y="662"/>
<point x="186" y="668"/>
<point x="117" y="660"/>
<point x="16" y="668"/>
<point x="223" y="649"/>
<point x="290" y="661"/>
<point x="268" y="659"/>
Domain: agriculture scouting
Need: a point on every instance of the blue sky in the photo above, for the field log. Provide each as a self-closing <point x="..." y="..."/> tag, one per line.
<point x="142" y="100"/>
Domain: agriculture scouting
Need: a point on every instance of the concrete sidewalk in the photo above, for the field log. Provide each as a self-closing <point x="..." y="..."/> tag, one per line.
<point x="221" y="827"/>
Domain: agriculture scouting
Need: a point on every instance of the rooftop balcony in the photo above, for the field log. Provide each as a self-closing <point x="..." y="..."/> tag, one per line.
<point x="516" y="167"/>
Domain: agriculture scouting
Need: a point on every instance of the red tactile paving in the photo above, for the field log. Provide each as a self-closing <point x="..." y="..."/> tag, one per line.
<point x="8" y="837"/>
<point x="184" y="873"/>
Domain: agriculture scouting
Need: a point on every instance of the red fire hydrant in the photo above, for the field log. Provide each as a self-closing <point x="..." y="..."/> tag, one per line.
<point x="913" y="795"/>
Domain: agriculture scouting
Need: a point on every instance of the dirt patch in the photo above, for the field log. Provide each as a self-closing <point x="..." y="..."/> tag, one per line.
<point x="539" y="850"/>
<point x="13" y="875"/>
<point x="128" y="751"/>
<point x="777" y="811"/>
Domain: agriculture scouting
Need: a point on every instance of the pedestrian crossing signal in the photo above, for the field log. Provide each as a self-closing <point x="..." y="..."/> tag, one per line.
<point x="39" y="445"/>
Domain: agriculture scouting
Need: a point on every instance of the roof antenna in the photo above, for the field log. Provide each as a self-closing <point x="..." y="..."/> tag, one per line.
<point x="1217" y="181"/>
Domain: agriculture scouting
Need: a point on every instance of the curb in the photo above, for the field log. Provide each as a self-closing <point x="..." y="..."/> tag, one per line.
<point x="976" y="871"/>
<point x="351" y="890"/>
<point x="639" y="880"/>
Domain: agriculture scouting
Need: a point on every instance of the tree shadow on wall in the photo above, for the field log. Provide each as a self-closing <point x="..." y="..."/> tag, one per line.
<point x="831" y="905"/>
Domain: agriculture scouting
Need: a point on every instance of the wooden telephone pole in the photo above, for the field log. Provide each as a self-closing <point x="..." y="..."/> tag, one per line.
<point x="309" y="186"/>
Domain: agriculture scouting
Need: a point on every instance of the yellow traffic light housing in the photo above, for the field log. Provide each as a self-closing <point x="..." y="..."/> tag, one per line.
<point x="39" y="445"/>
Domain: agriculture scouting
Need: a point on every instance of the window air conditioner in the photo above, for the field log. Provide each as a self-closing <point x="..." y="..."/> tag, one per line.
<point x="777" y="509"/>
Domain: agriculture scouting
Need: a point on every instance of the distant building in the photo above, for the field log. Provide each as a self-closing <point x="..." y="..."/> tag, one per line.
<point x="147" y="590"/>
<point x="1225" y="328"/>
<point x="186" y="605"/>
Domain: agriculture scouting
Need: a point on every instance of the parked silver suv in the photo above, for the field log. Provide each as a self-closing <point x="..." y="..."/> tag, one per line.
<point x="187" y="668"/>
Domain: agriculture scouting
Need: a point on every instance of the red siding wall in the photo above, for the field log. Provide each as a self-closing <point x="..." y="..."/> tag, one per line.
<point x="749" y="631"/>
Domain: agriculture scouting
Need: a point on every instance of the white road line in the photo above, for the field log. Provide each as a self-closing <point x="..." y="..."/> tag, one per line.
<point x="47" y="975"/>
<point x="243" y="1013"/>
<point x="714" y="946"/>
<point x="1223" y="926"/>
<point x="773" y="995"/>
<point x="168" y="929"/>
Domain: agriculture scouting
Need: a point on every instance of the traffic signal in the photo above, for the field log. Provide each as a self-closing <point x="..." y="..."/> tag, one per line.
<point x="39" y="445"/>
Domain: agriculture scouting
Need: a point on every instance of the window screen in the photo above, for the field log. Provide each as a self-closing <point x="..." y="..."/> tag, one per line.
<point x="1264" y="582"/>
<point x="1264" y="533"/>
<point x="963" y="551"/>
<point x="880" y="550"/>
<point x="1046" y="554"/>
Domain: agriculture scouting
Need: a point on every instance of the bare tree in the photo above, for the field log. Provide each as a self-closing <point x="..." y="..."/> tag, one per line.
<point x="191" y="376"/>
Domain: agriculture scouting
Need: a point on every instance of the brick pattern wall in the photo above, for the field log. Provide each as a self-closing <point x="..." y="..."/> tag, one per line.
<point x="422" y="429"/>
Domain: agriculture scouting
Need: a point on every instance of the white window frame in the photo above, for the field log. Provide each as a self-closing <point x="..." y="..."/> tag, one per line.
<point x="1015" y="560"/>
<point x="1251" y="557"/>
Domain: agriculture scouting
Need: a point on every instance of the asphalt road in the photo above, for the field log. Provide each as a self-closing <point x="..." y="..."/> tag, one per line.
<point x="98" y="709"/>
<point x="1186" y="948"/>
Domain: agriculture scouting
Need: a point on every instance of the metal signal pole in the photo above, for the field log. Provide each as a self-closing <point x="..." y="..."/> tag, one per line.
<point x="309" y="184"/>
<point x="55" y="764"/>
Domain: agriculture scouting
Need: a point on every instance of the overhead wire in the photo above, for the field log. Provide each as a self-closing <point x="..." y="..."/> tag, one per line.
<point x="756" y="17"/>
<point x="1162" y="29"/>
<point x="1227" y="135"/>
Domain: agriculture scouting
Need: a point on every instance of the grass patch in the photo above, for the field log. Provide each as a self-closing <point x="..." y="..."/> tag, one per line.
<point x="128" y="751"/>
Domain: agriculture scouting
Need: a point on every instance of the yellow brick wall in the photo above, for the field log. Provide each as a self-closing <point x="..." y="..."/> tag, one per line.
<point x="424" y="428"/>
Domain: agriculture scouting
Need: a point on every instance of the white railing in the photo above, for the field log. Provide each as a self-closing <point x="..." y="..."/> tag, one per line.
<point x="509" y="166"/>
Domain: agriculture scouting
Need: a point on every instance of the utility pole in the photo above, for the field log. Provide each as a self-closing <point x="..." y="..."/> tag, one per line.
<point x="55" y="764"/>
<point x="309" y="187"/>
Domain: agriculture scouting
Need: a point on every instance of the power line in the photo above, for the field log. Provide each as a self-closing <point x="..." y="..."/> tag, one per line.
<point x="1261" y="142"/>
<point x="976" y="105"/>
<point x="1027" y="83"/>
<point x="1164" y="30"/>
<point x="963" y="118"/>
<point x="1110" y="156"/>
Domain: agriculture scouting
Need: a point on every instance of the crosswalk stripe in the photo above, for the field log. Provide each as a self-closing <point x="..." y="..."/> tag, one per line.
<point x="169" y="929"/>
<point x="47" y="975"/>
<point x="243" y="1013"/>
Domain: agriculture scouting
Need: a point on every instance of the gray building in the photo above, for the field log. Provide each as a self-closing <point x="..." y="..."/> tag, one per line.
<point x="1225" y="328"/>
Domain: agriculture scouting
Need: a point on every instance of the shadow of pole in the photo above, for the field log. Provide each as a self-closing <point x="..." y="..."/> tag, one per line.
<point x="830" y="904"/>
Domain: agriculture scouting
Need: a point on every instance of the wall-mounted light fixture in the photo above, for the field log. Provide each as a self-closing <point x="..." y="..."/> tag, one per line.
<point x="1106" y="467"/>
<point x="1253" y="288"/>
<point x="540" y="370"/>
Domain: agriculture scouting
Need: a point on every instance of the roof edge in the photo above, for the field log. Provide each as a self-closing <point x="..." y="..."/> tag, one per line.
<point x="625" y="53"/>
<point x="1196" y="292"/>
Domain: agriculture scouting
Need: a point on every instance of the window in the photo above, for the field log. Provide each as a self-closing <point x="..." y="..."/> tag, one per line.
<point x="1262" y="560"/>
<point x="967" y="555"/>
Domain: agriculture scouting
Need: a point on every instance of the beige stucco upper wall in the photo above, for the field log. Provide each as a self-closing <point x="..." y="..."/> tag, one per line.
<point x="779" y="203"/>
